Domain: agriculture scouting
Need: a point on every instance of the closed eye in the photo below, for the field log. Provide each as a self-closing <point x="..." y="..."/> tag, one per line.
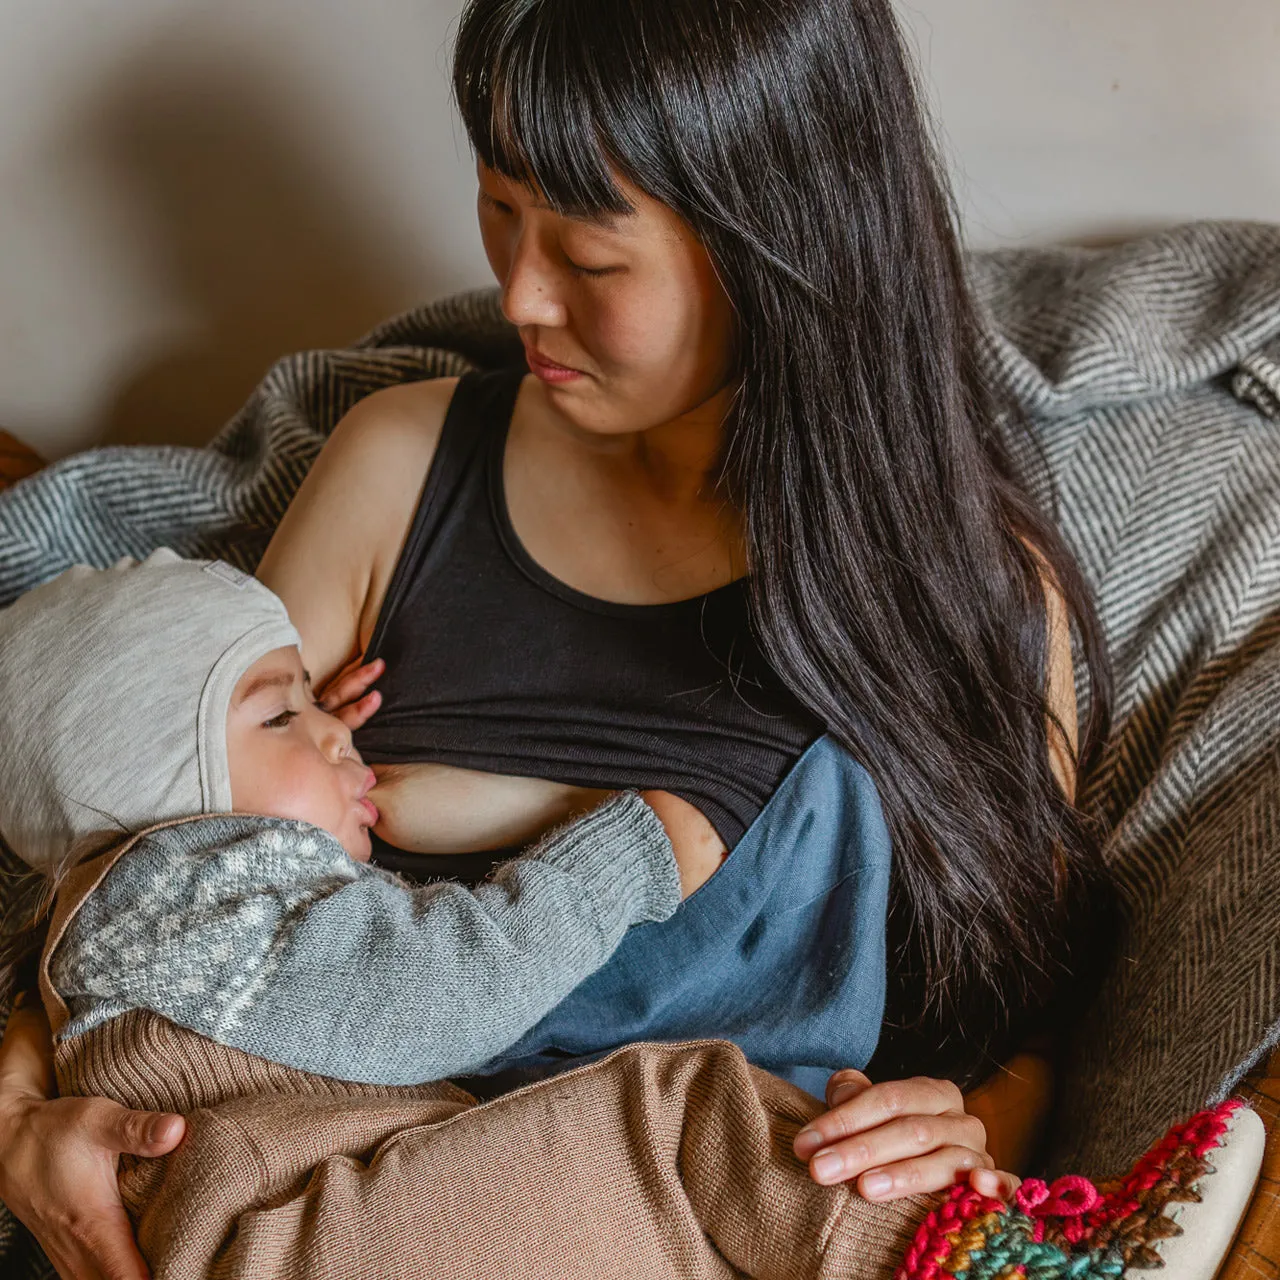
<point x="490" y="203"/>
<point x="579" y="270"/>
<point x="281" y="721"/>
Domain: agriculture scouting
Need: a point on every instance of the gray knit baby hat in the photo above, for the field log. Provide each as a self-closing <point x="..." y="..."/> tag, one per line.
<point x="114" y="690"/>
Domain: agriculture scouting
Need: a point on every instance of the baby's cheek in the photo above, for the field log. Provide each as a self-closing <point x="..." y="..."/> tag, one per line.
<point x="302" y="793"/>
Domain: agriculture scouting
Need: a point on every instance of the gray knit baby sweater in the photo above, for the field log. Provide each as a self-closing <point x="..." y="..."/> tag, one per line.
<point x="264" y="935"/>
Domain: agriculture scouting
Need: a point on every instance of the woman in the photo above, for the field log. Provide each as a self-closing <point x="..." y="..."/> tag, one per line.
<point x="754" y="434"/>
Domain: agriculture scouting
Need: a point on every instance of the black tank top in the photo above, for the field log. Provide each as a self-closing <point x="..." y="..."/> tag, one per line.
<point x="493" y="664"/>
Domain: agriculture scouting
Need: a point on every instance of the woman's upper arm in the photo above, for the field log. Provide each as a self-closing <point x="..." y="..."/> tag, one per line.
<point x="337" y="545"/>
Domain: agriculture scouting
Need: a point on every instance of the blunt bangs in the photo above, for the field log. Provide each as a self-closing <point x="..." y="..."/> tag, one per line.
<point x="530" y="82"/>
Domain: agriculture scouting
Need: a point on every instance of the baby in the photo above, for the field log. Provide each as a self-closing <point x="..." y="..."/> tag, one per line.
<point x="220" y="947"/>
<point x="179" y="692"/>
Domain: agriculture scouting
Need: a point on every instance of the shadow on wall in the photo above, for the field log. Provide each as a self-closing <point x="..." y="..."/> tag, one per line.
<point x="247" y="228"/>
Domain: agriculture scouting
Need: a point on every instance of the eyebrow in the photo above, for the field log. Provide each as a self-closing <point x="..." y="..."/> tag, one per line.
<point x="281" y="680"/>
<point x="603" y="219"/>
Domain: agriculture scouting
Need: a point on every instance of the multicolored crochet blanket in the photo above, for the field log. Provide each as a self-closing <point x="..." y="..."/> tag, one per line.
<point x="1072" y="1229"/>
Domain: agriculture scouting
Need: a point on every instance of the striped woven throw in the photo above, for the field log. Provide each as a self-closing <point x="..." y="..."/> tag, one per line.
<point x="1150" y="374"/>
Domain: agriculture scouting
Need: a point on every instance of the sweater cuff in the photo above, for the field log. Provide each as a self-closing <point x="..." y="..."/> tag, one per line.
<point x="623" y="857"/>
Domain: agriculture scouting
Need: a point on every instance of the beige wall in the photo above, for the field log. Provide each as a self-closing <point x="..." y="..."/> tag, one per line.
<point x="190" y="187"/>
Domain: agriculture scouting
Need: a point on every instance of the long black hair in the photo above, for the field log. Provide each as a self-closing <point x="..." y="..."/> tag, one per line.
<point x="890" y="585"/>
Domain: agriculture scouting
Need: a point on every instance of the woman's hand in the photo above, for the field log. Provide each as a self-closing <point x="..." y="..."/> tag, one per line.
<point x="58" y="1162"/>
<point x="58" y="1158"/>
<point x="348" y="696"/>
<point x="903" y="1137"/>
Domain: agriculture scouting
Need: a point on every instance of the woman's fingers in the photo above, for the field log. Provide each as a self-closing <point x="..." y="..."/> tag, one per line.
<point x="59" y="1176"/>
<point x="136" y="1133"/>
<point x="845" y="1085"/>
<point x="901" y="1142"/>
<point x="932" y="1172"/>
<point x="856" y="1108"/>
<point x="899" y="1138"/>
<point x="995" y="1183"/>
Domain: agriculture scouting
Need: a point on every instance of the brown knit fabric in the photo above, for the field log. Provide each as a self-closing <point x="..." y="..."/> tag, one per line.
<point x="659" y="1161"/>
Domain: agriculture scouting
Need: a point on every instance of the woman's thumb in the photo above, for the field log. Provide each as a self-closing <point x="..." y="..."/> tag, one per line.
<point x="143" y="1133"/>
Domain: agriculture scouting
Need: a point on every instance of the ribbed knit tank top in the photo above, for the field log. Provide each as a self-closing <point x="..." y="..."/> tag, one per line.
<point x="494" y="664"/>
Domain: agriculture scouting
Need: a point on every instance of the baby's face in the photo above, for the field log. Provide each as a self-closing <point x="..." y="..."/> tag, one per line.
<point x="290" y="759"/>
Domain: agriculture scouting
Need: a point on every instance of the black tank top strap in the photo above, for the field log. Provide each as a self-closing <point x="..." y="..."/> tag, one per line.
<point x="474" y="425"/>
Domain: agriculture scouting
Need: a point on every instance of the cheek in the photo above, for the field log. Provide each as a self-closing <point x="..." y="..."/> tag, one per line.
<point x="287" y="783"/>
<point x="666" y="340"/>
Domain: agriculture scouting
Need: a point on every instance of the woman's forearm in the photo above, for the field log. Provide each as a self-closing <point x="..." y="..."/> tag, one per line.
<point x="26" y="1054"/>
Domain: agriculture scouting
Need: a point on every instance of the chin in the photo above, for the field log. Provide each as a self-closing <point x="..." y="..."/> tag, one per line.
<point x="360" y="848"/>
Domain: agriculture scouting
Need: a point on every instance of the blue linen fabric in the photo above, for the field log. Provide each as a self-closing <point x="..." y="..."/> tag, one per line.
<point x="782" y="951"/>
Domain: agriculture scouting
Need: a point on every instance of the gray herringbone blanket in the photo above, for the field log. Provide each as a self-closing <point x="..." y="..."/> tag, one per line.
<point x="1151" y="374"/>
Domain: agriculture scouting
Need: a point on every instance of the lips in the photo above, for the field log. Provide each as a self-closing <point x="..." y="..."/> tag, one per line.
<point x="536" y="357"/>
<point x="362" y="800"/>
<point x="547" y="369"/>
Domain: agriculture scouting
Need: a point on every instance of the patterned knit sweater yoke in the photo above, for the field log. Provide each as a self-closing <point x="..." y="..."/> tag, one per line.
<point x="264" y="936"/>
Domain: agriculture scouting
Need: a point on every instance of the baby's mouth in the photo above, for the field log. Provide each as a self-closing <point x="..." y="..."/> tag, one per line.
<point x="363" y="801"/>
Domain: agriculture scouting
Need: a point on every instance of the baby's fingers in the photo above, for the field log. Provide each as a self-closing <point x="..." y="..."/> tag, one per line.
<point x="351" y="685"/>
<point x="354" y="714"/>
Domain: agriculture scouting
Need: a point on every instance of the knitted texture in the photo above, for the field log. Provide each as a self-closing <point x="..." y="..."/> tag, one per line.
<point x="656" y="1162"/>
<point x="262" y="934"/>
<point x="1072" y="1229"/>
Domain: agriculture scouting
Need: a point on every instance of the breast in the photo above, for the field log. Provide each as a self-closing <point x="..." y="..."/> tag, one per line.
<point x="507" y="690"/>
<point x="438" y="809"/>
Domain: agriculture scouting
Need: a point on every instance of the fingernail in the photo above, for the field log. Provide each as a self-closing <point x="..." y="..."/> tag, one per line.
<point x="158" y="1129"/>
<point x="807" y="1142"/>
<point x="876" y="1184"/>
<point x="842" y="1093"/>
<point x="827" y="1167"/>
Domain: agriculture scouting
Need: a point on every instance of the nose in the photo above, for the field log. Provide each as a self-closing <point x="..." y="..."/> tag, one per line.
<point x="337" y="744"/>
<point x="529" y="293"/>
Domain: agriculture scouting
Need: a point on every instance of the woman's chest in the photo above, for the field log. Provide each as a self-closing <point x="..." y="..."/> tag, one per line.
<point x="493" y="671"/>
<point x="506" y="697"/>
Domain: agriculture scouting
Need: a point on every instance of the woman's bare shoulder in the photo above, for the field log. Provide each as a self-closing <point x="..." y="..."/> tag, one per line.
<point x="334" y="550"/>
<point x="403" y="419"/>
<point x="379" y="452"/>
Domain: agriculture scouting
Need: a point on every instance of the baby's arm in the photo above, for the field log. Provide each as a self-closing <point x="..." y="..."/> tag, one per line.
<point x="263" y="935"/>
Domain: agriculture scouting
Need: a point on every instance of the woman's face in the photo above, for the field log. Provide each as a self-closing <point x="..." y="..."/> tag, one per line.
<point x="624" y="321"/>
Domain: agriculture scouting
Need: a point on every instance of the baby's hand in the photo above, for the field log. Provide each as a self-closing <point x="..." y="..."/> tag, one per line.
<point x="347" y="695"/>
<point x="698" y="848"/>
